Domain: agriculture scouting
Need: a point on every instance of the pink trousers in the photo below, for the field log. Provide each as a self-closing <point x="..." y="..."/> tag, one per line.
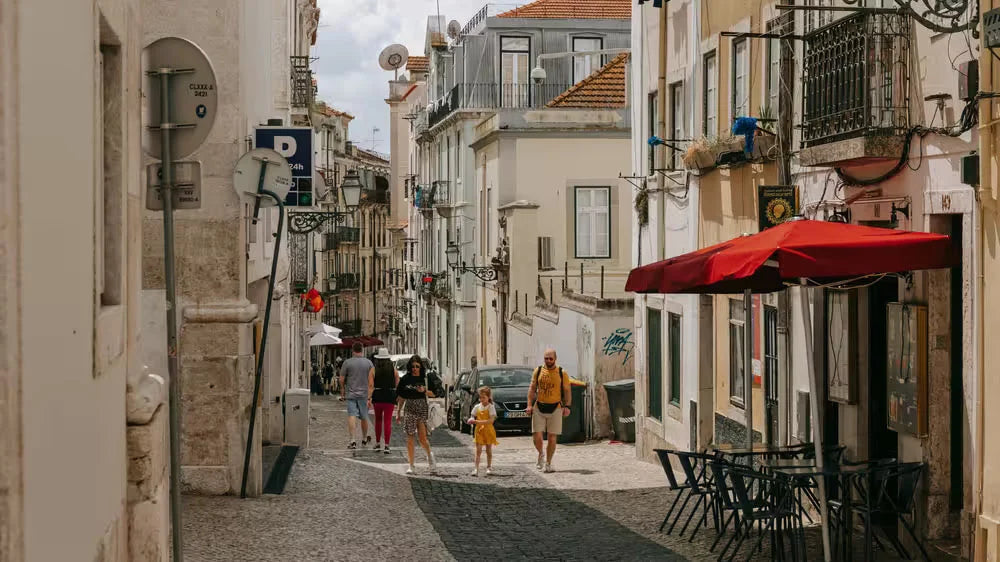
<point x="383" y="418"/>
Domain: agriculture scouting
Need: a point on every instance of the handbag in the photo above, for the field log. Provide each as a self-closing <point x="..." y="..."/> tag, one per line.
<point x="435" y="415"/>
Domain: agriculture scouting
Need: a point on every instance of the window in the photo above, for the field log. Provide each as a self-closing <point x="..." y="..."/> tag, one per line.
<point x="818" y="18"/>
<point x="364" y="268"/>
<point x="593" y="222"/>
<point x="654" y="395"/>
<point x="711" y="84"/>
<point x="585" y="65"/>
<point x="740" y="90"/>
<point x="653" y="109"/>
<point x="737" y="372"/>
<point x="545" y="253"/>
<point x="515" y="53"/>
<point x="674" y="330"/>
<point x="773" y="74"/>
<point x="676" y="123"/>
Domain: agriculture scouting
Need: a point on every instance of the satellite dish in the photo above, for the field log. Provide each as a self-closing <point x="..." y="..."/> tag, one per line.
<point x="454" y="29"/>
<point x="393" y="57"/>
<point x="277" y="175"/>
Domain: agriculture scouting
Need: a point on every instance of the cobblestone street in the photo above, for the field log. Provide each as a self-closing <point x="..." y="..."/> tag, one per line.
<point x="601" y="504"/>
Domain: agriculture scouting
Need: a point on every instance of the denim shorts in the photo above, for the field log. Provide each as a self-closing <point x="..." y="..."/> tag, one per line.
<point x="357" y="408"/>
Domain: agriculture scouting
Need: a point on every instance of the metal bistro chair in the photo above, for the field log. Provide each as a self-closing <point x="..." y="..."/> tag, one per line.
<point x="760" y="499"/>
<point x="664" y="456"/>
<point x="893" y="493"/>
<point x="696" y="470"/>
<point x="726" y="500"/>
<point x="840" y="499"/>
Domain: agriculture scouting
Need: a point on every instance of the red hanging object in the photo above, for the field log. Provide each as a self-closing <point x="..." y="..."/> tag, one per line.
<point x="313" y="301"/>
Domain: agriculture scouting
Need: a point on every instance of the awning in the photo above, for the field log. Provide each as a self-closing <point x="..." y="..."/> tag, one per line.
<point x="796" y="249"/>
<point x="366" y="341"/>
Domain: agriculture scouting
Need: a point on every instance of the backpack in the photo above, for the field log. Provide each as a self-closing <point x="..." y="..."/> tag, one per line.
<point x="542" y="407"/>
<point x="434" y="384"/>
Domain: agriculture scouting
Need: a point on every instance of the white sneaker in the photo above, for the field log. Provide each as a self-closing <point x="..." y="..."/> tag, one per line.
<point x="378" y="447"/>
<point x="410" y="470"/>
<point x="548" y="467"/>
<point x="475" y="473"/>
<point x="431" y="464"/>
<point x="489" y="471"/>
<point x="540" y="462"/>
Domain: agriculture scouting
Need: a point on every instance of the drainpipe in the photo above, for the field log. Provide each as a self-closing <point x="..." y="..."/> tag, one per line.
<point x="661" y="125"/>
<point x="985" y="155"/>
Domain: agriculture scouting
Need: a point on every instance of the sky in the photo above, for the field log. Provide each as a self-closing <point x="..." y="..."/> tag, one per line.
<point x="350" y="37"/>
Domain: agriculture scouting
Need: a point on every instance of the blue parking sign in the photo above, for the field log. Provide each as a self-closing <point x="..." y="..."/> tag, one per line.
<point x="296" y="145"/>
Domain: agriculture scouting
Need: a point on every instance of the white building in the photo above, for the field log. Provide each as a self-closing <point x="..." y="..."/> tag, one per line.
<point x="83" y="444"/>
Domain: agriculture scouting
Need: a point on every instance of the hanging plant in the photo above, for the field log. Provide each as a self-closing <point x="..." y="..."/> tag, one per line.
<point x="642" y="206"/>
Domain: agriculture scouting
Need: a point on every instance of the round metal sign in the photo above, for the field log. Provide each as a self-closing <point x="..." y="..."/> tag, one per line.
<point x="277" y="175"/>
<point x="194" y="96"/>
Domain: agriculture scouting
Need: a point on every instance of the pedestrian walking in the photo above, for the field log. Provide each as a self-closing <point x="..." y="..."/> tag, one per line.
<point x="357" y="381"/>
<point x="549" y="398"/>
<point x="384" y="397"/>
<point x="337" y="364"/>
<point x="482" y="418"/>
<point x="328" y="378"/>
<point x="411" y="400"/>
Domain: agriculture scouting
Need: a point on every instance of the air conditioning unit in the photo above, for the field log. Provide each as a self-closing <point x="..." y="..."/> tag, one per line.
<point x="544" y="252"/>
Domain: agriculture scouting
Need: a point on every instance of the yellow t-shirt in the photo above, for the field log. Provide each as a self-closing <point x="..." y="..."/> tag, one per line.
<point x="549" y="385"/>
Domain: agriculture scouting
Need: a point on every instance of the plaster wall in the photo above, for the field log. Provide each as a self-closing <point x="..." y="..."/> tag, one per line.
<point x="73" y="403"/>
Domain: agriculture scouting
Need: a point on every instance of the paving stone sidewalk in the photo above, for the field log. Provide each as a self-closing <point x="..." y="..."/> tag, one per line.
<point x="339" y="504"/>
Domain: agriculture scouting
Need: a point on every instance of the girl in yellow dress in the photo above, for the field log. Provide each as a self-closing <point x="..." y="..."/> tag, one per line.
<point x="483" y="415"/>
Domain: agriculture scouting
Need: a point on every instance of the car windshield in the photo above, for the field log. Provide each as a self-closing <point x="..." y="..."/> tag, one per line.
<point x="496" y="378"/>
<point x="401" y="364"/>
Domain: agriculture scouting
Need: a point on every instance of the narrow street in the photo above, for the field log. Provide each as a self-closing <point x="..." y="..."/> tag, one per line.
<point x="601" y="504"/>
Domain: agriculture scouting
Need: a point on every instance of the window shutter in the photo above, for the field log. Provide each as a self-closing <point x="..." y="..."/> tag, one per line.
<point x="544" y="252"/>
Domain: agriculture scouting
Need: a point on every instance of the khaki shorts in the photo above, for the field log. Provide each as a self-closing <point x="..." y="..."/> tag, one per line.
<point x="547" y="423"/>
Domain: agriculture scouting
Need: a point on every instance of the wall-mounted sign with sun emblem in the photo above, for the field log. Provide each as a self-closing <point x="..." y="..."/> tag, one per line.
<point x="776" y="204"/>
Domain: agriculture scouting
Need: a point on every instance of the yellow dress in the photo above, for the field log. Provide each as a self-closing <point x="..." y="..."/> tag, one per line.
<point x="485" y="434"/>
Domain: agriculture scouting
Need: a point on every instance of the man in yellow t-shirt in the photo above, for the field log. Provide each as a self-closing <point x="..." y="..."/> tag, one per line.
<point x="549" y="400"/>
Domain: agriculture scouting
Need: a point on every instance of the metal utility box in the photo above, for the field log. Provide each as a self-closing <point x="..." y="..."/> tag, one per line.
<point x="296" y="412"/>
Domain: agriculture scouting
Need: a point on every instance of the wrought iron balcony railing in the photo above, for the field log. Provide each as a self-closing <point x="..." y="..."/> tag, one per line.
<point x="303" y="90"/>
<point x="423" y="198"/>
<point x="439" y="192"/>
<point x="494" y="96"/>
<point x="856" y="78"/>
<point x="348" y="234"/>
<point x="348" y="327"/>
<point x="344" y="282"/>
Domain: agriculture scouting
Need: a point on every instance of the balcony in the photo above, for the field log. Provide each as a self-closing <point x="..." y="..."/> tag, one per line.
<point x="303" y="89"/>
<point x="344" y="282"/>
<point x="492" y="97"/>
<point x="420" y="124"/>
<point x="348" y="328"/>
<point x="348" y="234"/>
<point x="856" y="89"/>
<point x="423" y="198"/>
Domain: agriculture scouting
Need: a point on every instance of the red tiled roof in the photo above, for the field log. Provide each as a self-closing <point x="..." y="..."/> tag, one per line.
<point x="580" y="9"/>
<point x="604" y="89"/>
<point x="417" y="64"/>
<point x="326" y="110"/>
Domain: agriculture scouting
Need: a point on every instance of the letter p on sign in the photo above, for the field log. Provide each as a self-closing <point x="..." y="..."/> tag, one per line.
<point x="285" y="146"/>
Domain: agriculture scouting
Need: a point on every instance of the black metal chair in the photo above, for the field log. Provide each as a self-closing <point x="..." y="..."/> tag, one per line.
<point x="680" y="488"/>
<point x="760" y="499"/>
<point x="892" y="492"/>
<point x="699" y="477"/>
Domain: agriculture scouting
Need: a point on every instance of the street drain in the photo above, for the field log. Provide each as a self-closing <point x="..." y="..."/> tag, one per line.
<point x="282" y="468"/>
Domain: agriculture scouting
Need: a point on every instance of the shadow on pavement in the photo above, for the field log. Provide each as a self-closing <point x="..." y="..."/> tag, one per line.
<point x="477" y="520"/>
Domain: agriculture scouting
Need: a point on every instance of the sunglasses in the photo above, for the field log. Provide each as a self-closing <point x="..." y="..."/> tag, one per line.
<point x="416" y="365"/>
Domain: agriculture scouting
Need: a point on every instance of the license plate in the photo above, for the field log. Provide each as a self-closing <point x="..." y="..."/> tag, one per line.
<point x="516" y="414"/>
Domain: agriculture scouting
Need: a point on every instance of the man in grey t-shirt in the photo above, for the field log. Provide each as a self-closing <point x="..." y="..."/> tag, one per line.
<point x="357" y="381"/>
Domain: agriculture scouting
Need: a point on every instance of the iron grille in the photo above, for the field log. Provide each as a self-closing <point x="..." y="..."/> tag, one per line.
<point x="856" y="78"/>
<point x="440" y="192"/>
<point x="494" y="96"/>
<point x="303" y="89"/>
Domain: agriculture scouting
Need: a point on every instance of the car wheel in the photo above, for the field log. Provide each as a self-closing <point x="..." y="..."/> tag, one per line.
<point x="452" y="419"/>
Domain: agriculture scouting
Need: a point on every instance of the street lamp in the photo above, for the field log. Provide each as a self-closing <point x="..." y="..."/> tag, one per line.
<point x="352" y="190"/>
<point x="304" y="222"/>
<point x="483" y="273"/>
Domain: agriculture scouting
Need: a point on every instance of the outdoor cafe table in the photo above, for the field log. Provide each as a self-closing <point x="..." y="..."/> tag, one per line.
<point x="757" y="450"/>
<point x="843" y="474"/>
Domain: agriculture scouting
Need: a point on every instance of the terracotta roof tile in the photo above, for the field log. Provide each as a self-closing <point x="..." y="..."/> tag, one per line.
<point x="417" y="64"/>
<point x="604" y="89"/>
<point x="580" y="9"/>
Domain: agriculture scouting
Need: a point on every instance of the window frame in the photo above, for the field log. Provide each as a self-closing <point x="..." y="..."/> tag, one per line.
<point x="674" y="335"/>
<point x="735" y="79"/>
<point x="522" y="99"/>
<point x="711" y="95"/>
<point x="676" y="123"/>
<point x="576" y="222"/>
<point x="737" y="336"/>
<point x="654" y="392"/>
<point x="588" y="58"/>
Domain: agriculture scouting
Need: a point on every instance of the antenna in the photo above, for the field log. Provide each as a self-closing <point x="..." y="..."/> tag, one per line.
<point x="454" y="29"/>
<point x="374" y="140"/>
<point x="393" y="58"/>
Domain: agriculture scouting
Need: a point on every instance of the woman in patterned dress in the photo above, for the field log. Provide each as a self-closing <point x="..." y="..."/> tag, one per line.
<point x="411" y="400"/>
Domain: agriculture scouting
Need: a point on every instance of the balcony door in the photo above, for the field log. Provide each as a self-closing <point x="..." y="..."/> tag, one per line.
<point x="515" y="82"/>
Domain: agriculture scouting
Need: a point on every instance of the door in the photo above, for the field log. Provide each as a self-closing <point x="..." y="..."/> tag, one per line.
<point x="515" y="53"/>
<point x="770" y="374"/>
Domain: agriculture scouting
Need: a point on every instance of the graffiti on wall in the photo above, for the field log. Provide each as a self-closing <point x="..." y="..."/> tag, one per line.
<point x="618" y="344"/>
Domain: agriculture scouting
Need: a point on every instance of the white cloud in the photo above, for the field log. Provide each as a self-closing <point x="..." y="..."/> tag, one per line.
<point x="351" y="35"/>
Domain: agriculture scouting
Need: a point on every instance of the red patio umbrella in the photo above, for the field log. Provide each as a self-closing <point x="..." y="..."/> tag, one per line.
<point x="768" y="261"/>
<point x="793" y="253"/>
